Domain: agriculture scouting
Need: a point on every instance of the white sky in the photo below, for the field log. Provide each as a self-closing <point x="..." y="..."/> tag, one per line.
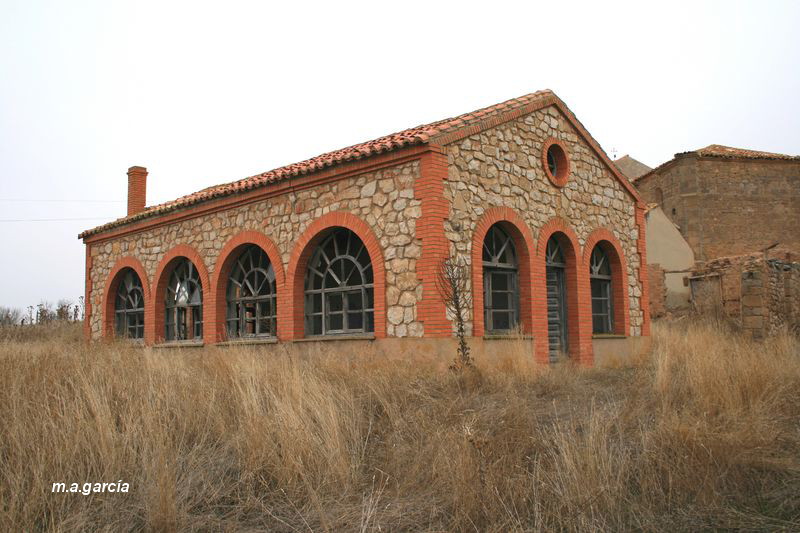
<point x="207" y="92"/>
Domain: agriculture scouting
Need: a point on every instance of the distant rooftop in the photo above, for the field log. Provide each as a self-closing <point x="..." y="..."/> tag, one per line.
<point x="631" y="168"/>
<point x="718" y="150"/>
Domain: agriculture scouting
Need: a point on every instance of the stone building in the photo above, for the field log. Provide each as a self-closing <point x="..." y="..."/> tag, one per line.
<point x="728" y="201"/>
<point x="347" y="245"/>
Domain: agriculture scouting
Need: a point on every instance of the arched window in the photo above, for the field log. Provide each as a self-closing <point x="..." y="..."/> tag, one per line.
<point x="339" y="287"/>
<point x="600" y="279"/>
<point x="500" y="281"/>
<point x="129" y="306"/>
<point x="251" y="295"/>
<point x="184" y="304"/>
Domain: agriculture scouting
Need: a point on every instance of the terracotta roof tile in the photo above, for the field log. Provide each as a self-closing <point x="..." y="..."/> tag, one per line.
<point x="718" y="150"/>
<point x="413" y="136"/>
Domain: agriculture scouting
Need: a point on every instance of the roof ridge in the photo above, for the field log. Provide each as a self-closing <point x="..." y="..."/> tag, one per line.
<point x="416" y="135"/>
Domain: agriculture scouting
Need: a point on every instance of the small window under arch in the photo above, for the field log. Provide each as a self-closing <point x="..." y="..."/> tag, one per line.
<point x="129" y="306"/>
<point x="500" y="281"/>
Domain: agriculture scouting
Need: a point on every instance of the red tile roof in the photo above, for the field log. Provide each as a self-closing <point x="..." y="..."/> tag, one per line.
<point x="717" y="150"/>
<point x="413" y="136"/>
<point x="728" y="152"/>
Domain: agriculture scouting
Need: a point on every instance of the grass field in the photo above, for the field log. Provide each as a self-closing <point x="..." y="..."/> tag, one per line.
<point x="703" y="433"/>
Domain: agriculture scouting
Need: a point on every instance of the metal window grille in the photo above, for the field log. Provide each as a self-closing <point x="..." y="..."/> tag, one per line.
<point x="129" y="306"/>
<point x="251" y="296"/>
<point x="339" y="295"/>
<point x="600" y="280"/>
<point x="500" y="281"/>
<point x="184" y="304"/>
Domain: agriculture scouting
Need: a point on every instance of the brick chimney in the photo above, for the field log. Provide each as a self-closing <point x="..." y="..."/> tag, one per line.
<point x="137" y="189"/>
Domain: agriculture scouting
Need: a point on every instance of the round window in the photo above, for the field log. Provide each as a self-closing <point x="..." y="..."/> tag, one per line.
<point x="555" y="162"/>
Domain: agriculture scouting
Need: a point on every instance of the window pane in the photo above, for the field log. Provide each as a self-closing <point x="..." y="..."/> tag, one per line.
<point x="355" y="320"/>
<point x="499" y="281"/>
<point x="316" y="325"/>
<point x="335" y="321"/>
<point x="370" y="302"/>
<point x="354" y="301"/>
<point x="597" y="288"/>
<point x="370" y="326"/>
<point x="501" y="320"/>
<point x="334" y="302"/>
<point x="501" y="300"/>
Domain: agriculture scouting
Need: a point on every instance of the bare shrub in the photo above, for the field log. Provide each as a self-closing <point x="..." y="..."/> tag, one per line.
<point x="10" y="316"/>
<point x="452" y="281"/>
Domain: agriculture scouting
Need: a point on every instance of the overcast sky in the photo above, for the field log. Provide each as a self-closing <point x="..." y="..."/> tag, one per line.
<point x="203" y="93"/>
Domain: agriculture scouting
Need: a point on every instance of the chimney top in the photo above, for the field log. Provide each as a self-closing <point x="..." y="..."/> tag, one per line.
<point x="137" y="189"/>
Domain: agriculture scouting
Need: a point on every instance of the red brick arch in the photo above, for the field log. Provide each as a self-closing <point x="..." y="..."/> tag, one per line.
<point x="619" y="275"/>
<point x="579" y="324"/>
<point x="156" y="326"/>
<point x="109" y="294"/>
<point x="293" y="315"/>
<point x="522" y="237"/>
<point x="219" y="280"/>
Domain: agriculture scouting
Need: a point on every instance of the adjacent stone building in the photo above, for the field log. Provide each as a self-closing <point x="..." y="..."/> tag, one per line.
<point x="728" y="201"/>
<point x="347" y="245"/>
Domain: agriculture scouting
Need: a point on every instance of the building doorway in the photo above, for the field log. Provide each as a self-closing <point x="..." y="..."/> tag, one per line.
<point x="556" y="299"/>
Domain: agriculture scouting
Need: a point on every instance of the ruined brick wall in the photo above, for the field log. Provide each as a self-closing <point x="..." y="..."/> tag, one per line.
<point x="384" y="199"/>
<point x="783" y="295"/>
<point x="502" y="167"/>
<point x="726" y="206"/>
<point x="760" y="294"/>
<point x="658" y="290"/>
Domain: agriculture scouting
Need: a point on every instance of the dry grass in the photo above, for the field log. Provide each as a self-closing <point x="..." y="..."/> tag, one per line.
<point x="704" y="433"/>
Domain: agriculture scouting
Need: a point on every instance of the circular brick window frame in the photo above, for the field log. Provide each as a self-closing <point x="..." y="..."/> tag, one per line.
<point x="561" y="177"/>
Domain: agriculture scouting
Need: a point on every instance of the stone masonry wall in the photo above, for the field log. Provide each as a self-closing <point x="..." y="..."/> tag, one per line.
<point x="728" y="207"/>
<point x="384" y="199"/>
<point x="502" y="166"/>
<point x="761" y="295"/>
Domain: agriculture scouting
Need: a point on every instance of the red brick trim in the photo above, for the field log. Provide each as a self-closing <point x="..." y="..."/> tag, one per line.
<point x="562" y="162"/>
<point x="429" y="189"/>
<point x="641" y="245"/>
<point x="87" y="298"/>
<point x="154" y="329"/>
<point x="579" y="305"/>
<point x="291" y="310"/>
<point x="619" y="275"/>
<point x="222" y="270"/>
<point x="269" y="190"/>
<point x="110" y="292"/>
<point x="524" y="244"/>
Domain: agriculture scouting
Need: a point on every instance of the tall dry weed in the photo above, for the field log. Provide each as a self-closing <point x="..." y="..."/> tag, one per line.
<point x="702" y="433"/>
